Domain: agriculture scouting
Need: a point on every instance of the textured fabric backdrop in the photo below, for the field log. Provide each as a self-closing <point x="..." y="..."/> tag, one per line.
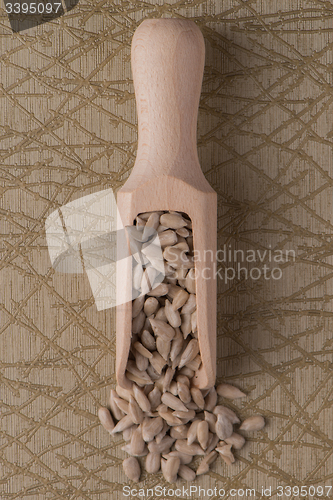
<point x="265" y="136"/>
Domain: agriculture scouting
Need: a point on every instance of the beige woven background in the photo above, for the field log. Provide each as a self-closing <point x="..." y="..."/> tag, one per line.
<point x="265" y="136"/>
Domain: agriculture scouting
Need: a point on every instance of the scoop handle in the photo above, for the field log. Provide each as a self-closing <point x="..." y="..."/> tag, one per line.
<point x="167" y="62"/>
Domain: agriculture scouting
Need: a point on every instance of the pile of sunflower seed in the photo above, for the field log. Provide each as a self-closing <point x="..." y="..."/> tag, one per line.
<point x="164" y="417"/>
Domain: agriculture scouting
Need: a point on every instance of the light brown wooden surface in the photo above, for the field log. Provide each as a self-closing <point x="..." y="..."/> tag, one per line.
<point x="68" y="129"/>
<point x="167" y="63"/>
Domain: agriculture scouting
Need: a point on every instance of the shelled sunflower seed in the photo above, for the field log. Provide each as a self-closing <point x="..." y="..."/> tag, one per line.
<point x="164" y="418"/>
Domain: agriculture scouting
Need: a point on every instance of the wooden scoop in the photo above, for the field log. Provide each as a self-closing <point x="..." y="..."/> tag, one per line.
<point x="167" y="63"/>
